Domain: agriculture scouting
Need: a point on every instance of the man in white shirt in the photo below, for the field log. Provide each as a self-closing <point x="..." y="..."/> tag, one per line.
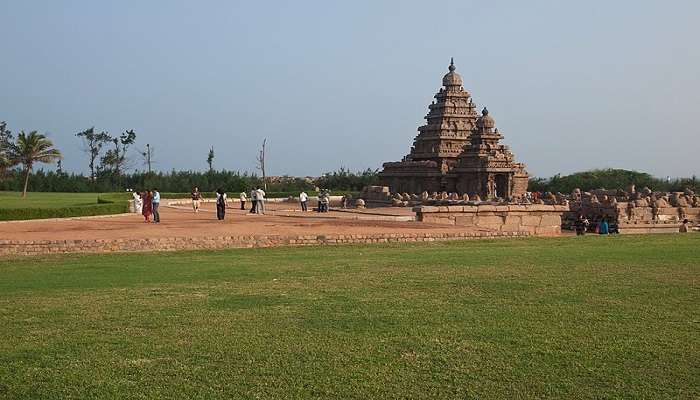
<point x="303" y="199"/>
<point x="243" y="198"/>
<point x="260" y="194"/>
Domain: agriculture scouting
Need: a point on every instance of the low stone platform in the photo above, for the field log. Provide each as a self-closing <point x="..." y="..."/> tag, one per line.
<point x="533" y="218"/>
<point x="40" y="247"/>
<point x="182" y="229"/>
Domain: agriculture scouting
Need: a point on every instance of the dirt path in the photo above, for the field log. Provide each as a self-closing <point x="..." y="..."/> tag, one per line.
<point x="281" y="219"/>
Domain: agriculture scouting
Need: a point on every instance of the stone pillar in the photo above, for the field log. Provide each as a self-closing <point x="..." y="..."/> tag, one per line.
<point x="509" y="192"/>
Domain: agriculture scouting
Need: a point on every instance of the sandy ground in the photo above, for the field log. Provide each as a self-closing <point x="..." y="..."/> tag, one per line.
<point x="281" y="219"/>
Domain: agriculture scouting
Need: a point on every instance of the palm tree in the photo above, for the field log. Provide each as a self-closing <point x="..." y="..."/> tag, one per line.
<point x="30" y="149"/>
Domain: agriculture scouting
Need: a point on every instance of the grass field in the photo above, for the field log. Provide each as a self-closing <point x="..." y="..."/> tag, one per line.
<point x="593" y="317"/>
<point x="60" y="205"/>
<point x="46" y="200"/>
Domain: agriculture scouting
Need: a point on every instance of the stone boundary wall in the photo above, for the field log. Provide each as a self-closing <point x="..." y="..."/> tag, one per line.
<point x="535" y="219"/>
<point x="633" y="219"/>
<point x="42" y="247"/>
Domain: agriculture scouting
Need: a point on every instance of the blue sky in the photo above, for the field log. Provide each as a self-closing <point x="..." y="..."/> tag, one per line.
<point x="572" y="85"/>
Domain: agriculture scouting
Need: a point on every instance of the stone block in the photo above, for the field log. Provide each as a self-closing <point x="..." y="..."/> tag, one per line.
<point x="550" y="220"/>
<point x="513" y="220"/>
<point x="486" y="207"/>
<point x="489" y="220"/>
<point x="548" y="230"/>
<point x="464" y="220"/>
<point x="531" y="220"/>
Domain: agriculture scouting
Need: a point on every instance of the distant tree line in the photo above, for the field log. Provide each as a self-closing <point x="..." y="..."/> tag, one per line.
<point x="182" y="181"/>
<point x="344" y="179"/>
<point x="109" y="164"/>
<point x="610" y="179"/>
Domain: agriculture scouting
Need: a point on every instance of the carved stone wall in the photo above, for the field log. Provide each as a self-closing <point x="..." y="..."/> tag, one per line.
<point x="535" y="219"/>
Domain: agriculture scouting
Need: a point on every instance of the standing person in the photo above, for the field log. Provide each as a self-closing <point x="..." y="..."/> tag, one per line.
<point x="156" y="204"/>
<point x="303" y="199"/>
<point x="147" y="207"/>
<point x="138" y="203"/>
<point x="260" y="195"/>
<point x="684" y="226"/>
<point x="242" y="198"/>
<point x="580" y="225"/>
<point x="220" y="204"/>
<point x="254" y="200"/>
<point x="603" y="227"/>
<point x="196" y="199"/>
<point x="325" y="200"/>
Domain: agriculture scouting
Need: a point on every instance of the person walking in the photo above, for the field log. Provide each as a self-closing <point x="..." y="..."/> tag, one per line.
<point x="254" y="200"/>
<point x="156" y="204"/>
<point x="220" y="204"/>
<point x="303" y="200"/>
<point x="242" y="197"/>
<point x="260" y="195"/>
<point x="603" y="227"/>
<point x="147" y="208"/>
<point x="196" y="199"/>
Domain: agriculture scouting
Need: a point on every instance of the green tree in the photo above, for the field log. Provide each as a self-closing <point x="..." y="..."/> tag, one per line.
<point x="116" y="159"/>
<point x="210" y="159"/>
<point x="30" y="149"/>
<point x="6" y="141"/>
<point x="93" y="143"/>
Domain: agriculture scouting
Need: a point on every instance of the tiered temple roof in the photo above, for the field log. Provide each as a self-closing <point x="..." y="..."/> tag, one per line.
<point x="457" y="151"/>
<point x="450" y="120"/>
<point x="487" y="167"/>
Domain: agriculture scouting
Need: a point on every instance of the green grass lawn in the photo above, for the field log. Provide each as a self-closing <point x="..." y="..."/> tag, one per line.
<point x="60" y="205"/>
<point x="592" y="317"/>
<point x="46" y="200"/>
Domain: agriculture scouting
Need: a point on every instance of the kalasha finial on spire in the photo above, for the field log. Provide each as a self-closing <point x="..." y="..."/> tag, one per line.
<point x="452" y="64"/>
<point x="484" y="111"/>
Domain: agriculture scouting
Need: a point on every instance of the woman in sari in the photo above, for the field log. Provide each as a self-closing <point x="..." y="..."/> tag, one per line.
<point x="147" y="205"/>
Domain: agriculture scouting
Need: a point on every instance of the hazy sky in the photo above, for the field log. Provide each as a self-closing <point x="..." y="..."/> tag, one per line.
<point x="572" y="85"/>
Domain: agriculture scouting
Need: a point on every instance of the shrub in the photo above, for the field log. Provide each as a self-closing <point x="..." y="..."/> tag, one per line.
<point x="104" y="206"/>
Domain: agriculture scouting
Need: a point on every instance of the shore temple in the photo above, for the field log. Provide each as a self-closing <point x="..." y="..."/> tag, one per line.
<point x="457" y="150"/>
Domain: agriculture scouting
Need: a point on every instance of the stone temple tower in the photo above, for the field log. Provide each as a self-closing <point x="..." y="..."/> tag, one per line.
<point x="488" y="168"/>
<point x="436" y="148"/>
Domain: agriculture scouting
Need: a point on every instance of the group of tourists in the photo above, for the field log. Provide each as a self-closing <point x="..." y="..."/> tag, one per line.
<point x="582" y="225"/>
<point x="257" y="199"/>
<point x="147" y="203"/>
<point x="324" y="201"/>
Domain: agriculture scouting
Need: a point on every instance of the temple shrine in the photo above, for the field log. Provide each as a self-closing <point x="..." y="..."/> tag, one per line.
<point x="457" y="151"/>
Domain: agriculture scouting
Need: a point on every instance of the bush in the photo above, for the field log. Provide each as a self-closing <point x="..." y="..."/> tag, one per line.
<point x="104" y="206"/>
<point x="610" y="179"/>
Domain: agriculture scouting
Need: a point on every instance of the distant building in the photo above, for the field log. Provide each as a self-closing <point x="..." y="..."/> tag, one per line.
<point x="457" y="151"/>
